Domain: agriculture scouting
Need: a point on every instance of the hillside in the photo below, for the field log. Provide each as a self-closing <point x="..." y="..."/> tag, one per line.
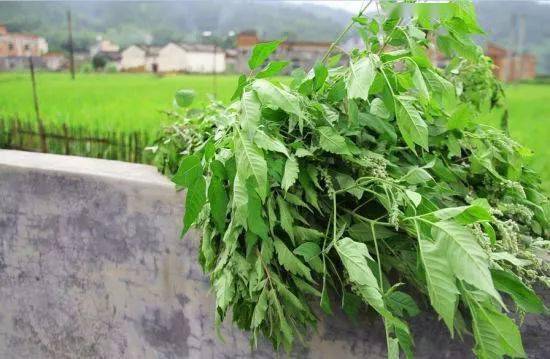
<point x="127" y="23"/>
<point x="158" y="22"/>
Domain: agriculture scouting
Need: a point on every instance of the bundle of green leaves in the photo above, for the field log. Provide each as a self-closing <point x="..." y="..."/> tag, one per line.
<point x="371" y="182"/>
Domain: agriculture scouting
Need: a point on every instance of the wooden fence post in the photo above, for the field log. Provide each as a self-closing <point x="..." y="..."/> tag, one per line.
<point x="43" y="144"/>
<point x="67" y="141"/>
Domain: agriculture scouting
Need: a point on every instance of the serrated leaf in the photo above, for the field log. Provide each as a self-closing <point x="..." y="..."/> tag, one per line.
<point x="360" y="78"/>
<point x="290" y="262"/>
<point x="251" y="163"/>
<point x="240" y="202"/>
<point x="354" y="257"/>
<point x="256" y="222"/>
<point x="467" y="259"/>
<point x="401" y="302"/>
<point x="415" y="197"/>
<point x="189" y="170"/>
<point x="524" y="296"/>
<point x="321" y="74"/>
<point x="260" y="310"/>
<point x="285" y="217"/>
<point x="378" y="108"/>
<point x="275" y="97"/>
<point x="420" y="84"/>
<point x="496" y="335"/>
<point x="261" y="52"/>
<point x="440" y="280"/>
<point x="224" y="289"/>
<point x="308" y="250"/>
<point x="217" y="197"/>
<point x="195" y="199"/>
<point x="272" y="69"/>
<point x="250" y="107"/>
<point x="291" y="173"/>
<point x="262" y="140"/>
<point x="331" y="141"/>
<point x="410" y="123"/>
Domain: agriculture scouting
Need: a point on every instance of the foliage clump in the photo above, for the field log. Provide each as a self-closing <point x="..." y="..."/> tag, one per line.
<point x="370" y="181"/>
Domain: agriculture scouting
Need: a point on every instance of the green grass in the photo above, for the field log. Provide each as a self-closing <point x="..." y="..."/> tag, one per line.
<point x="133" y="102"/>
<point x="107" y="101"/>
<point x="529" y="106"/>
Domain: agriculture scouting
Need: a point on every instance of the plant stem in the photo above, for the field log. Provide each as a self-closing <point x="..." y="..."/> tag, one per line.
<point x="335" y="42"/>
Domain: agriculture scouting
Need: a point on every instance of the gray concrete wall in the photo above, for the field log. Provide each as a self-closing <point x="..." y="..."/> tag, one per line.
<point x="91" y="267"/>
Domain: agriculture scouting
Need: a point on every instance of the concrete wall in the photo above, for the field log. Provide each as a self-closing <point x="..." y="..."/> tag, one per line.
<point x="91" y="267"/>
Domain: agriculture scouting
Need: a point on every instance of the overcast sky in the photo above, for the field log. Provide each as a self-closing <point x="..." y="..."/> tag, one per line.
<point x="355" y="5"/>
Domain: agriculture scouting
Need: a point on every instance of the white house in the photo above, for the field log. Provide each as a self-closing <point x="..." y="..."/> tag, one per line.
<point x="139" y="58"/>
<point x="204" y="58"/>
<point x="171" y="58"/>
<point x="193" y="58"/>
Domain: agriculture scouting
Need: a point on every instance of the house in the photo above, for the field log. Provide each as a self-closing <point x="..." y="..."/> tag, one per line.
<point x="511" y="66"/>
<point x="16" y="48"/>
<point x="205" y="59"/>
<point x="54" y="61"/>
<point x="300" y="53"/>
<point x="137" y="58"/>
<point x="193" y="58"/>
<point x="103" y="46"/>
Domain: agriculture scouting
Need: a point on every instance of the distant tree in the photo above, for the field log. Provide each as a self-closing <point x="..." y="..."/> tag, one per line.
<point x="99" y="61"/>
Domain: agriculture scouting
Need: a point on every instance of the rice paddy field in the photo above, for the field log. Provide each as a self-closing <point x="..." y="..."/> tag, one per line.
<point x="134" y="102"/>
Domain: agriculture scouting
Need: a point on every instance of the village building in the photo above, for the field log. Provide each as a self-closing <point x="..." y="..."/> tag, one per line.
<point x="54" y="61"/>
<point x="16" y="48"/>
<point x="103" y="46"/>
<point x="191" y="58"/>
<point x="300" y="53"/>
<point x="511" y="66"/>
<point x="136" y="58"/>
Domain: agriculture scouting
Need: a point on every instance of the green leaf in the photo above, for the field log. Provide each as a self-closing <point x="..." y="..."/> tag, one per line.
<point x="417" y="175"/>
<point x="354" y="257"/>
<point x="256" y="222"/>
<point x="272" y="69"/>
<point x="260" y="310"/>
<point x="464" y="214"/>
<point x="291" y="173"/>
<point x="261" y="52"/>
<point x="353" y="112"/>
<point x="321" y="74"/>
<point x="225" y="289"/>
<point x="465" y="256"/>
<point x="308" y="250"/>
<point x="410" y="123"/>
<point x="250" y="111"/>
<point x="195" y="199"/>
<point x="420" y="84"/>
<point x="262" y="140"/>
<point x="274" y="97"/>
<point x="240" y="202"/>
<point x="241" y="83"/>
<point x="524" y="296"/>
<point x="440" y="279"/>
<point x="401" y="302"/>
<point x="331" y="141"/>
<point x="286" y="217"/>
<point x="251" y="163"/>
<point x="290" y="262"/>
<point x="185" y="97"/>
<point x="378" y="108"/>
<point x="415" y="197"/>
<point x="496" y="335"/>
<point x="218" y="202"/>
<point x="360" y="78"/>
<point x="189" y="171"/>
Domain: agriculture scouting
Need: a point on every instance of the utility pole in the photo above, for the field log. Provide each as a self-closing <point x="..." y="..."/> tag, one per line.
<point x="41" y="131"/>
<point x="71" y="48"/>
<point x="521" y="40"/>
<point x="509" y="74"/>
